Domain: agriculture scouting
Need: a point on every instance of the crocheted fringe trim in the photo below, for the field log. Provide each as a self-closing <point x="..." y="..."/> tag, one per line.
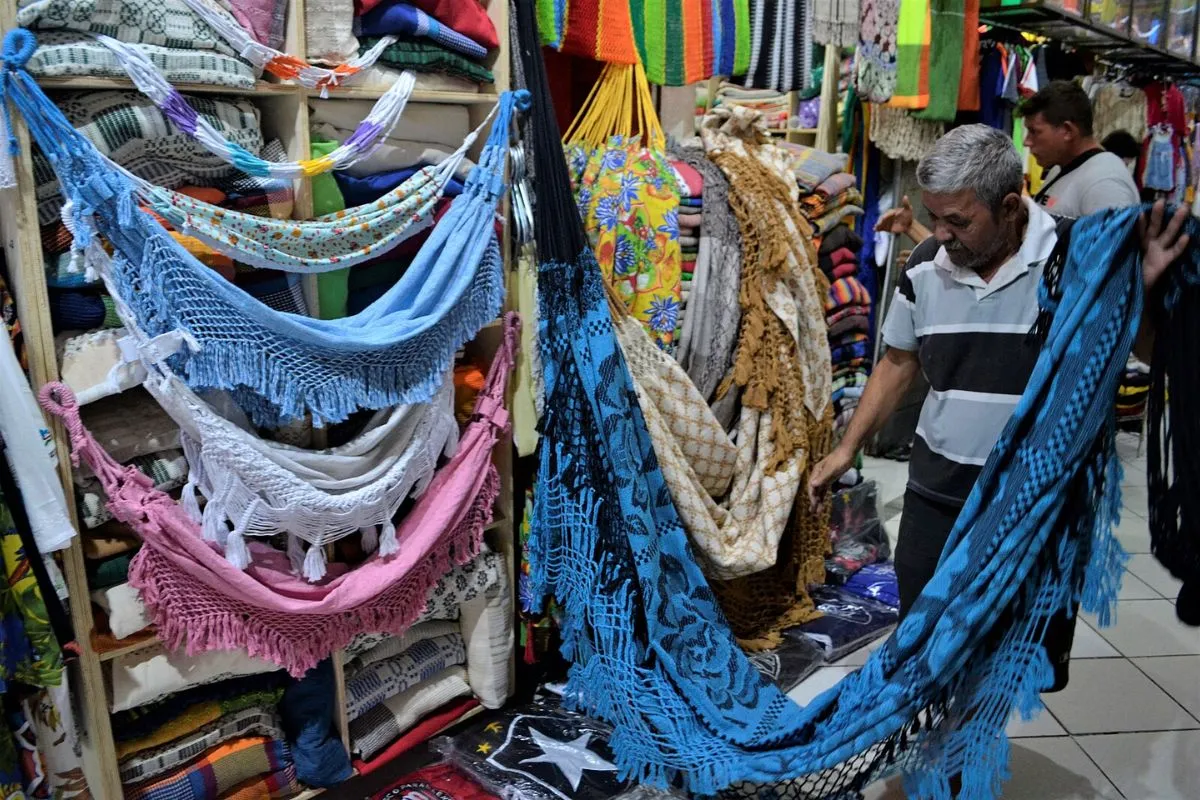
<point x="232" y="624"/>
<point x="247" y="364"/>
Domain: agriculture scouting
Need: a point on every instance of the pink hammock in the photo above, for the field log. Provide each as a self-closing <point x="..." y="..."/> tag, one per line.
<point x="200" y="602"/>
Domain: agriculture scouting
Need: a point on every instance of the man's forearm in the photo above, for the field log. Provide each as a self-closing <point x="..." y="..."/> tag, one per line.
<point x="889" y="382"/>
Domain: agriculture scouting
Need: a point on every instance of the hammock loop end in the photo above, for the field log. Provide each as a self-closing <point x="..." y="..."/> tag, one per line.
<point x="19" y="45"/>
<point x="57" y="398"/>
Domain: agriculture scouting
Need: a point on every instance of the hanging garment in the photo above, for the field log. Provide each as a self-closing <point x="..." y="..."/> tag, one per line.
<point x="945" y="60"/>
<point x="781" y="42"/>
<point x="875" y="60"/>
<point x="650" y="650"/>
<point x="200" y="602"/>
<point x="912" y="55"/>
<point x="710" y="329"/>
<point x="835" y="22"/>
<point x="898" y="134"/>
<point x="283" y="366"/>
<point x="29" y="450"/>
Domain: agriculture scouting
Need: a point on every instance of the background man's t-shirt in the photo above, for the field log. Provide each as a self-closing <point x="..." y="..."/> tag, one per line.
<point x="1103" y="181"/>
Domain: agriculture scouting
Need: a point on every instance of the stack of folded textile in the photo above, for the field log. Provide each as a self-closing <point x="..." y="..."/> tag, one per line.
<point x="448" y="39"/>
<point x="1133" y="392"/>
<point x="775" y="107"/>
<point x="459" y="649"/>
<point x="691" y="208"/>
<point x="812" y="166"/>
<point x="219" y="738"/>
<point x="168" y="32"/>
<point x="832" y="201"/>
<point x="847" y="313"/>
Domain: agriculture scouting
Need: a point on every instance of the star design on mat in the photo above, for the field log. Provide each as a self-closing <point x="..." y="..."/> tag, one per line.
<point x="484" y="748"/>
<point x="494" y="727"/>
<point x="572" y="757"/>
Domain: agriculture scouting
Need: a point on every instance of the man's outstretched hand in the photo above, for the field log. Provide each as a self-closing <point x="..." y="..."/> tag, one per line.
<point x="1162" y="242"/>
<point x="896" y="220"/>
<point x="828" y="470"/>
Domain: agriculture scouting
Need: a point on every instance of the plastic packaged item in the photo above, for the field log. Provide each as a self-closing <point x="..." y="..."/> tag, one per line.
<point x="441" y="781"/>
<point x="789" y="663"/>
<point x="848" y="622"/>
<point x="537" y="752"/>
<point x="876" y="582"/>
<point x="857" y="536"/>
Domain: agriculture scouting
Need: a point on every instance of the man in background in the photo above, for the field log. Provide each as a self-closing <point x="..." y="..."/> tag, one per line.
<point x="1081" y="178"/>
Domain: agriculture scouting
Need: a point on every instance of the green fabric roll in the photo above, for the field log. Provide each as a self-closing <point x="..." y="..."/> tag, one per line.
<point x="110" y="572"/>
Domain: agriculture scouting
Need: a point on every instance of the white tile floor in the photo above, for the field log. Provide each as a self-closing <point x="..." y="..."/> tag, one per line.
<point x="1128" y="725"/>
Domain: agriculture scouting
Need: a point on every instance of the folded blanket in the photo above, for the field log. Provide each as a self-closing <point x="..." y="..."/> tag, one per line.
<point x="124" y="609"/>
<point x="257" y="720"/>
<point x="109" y="540"/>
<point x="262" y="196"/>
<point x="812" y="167"/>
<point x="220" y="769"/>
<point x="850" y="351"/>
<point x="74" y="310"/>
<point x="468" y="17"/>
<point x="848" y="270"/>
<point x="384" y="723"/>
<point x="129" y="129"/>
<point x="839" y="237"/>
<point x="129" y="427"/>
<point x="423" y="56"/>
<point x="833" y="317"/>
<point x="280" y="784"/>
<point x="434" y="123"/>
<point x="420" y="733"/>
<point x="836" y="184"/>
<point x="142" y="678"/>
<point x="265" y="19"/>
<point x="168" y="23"/>
<point x="357" y="191"/>
<point x="146" y="727"/>
<point x="405" y="20"/>
<point x="109" y="572"/>
<point x="392" y="154"/>
<point x="850" y="323"/>
<point x="846" y="292"/>
<point x="329" y="30"/>
<point x="374" y="683"/>
<point x="62" y="54"/>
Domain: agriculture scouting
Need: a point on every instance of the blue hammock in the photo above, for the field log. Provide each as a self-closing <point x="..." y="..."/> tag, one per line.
<point x="280" y="365"/>
<point x="651" y="652"/>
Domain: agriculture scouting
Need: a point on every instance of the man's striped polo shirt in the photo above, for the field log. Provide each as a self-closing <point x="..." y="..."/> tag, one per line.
<point x="973" y="344"/>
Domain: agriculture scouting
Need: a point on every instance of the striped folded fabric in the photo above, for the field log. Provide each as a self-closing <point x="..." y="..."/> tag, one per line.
<point x="426" y="56"/>
<point x="220" y="769"/>
<point x="259" y="720"/>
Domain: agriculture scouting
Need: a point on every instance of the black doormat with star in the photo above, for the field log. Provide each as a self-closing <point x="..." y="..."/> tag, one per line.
<point x="538" y="752"/>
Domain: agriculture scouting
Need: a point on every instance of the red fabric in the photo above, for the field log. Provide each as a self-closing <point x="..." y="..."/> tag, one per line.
<point x="693" y="179"/>
<point x="438" y="781"/>
<point x="845" y="270"/>
<point x="843" y="255"/>
<point x="418" y="734"/>
<point x="1165" y="106"/>
<point x="467" y="17"/>
<point x="571" y="80"/>
<point x="968" y="82"/>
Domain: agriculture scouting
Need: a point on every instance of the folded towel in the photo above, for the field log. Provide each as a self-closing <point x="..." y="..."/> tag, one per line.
<point x="407" y="20"/>
<point x="467" y="17"/>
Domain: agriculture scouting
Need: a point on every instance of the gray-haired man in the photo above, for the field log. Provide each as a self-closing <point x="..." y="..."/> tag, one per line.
<point x="961" y="314"/>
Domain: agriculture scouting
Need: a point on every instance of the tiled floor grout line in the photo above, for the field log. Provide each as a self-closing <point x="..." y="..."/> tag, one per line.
<point x="1096" y="764"/>
<point x="1166" y="691"/>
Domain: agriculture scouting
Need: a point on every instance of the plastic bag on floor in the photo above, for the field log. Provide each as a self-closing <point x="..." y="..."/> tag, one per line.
<point x="848" y="622"/>
<point x="856" y="533"/>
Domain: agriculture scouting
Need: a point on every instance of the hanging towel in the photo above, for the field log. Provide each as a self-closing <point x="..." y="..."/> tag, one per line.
<point x="945" y="60"/>
<point x="913" y="35"/>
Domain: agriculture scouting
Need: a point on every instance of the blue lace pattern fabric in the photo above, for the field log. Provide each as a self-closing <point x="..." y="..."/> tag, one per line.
<point x="652" y="654"/>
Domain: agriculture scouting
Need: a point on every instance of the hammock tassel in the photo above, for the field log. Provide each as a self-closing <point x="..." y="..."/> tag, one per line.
<point x="295" y="553"/>
<point x="188" y="499"/>
<point x="236" y="550"/>
<point x="314" y="564"/>
<point x="213" y="526"/>
<point x="370" y="538"/>
<point x="388" y="545"/>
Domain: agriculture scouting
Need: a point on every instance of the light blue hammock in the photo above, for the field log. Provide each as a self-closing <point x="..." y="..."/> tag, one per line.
<point x="650" y="649"/>
<point x="279" y="365"/>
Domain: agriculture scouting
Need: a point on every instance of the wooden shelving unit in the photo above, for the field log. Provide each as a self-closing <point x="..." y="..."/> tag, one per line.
<point x="284" y="111"/>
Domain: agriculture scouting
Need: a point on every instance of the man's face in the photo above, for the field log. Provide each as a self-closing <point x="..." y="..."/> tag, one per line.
<point x="1050" y="144"/>
<point x="972" y="235"/>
